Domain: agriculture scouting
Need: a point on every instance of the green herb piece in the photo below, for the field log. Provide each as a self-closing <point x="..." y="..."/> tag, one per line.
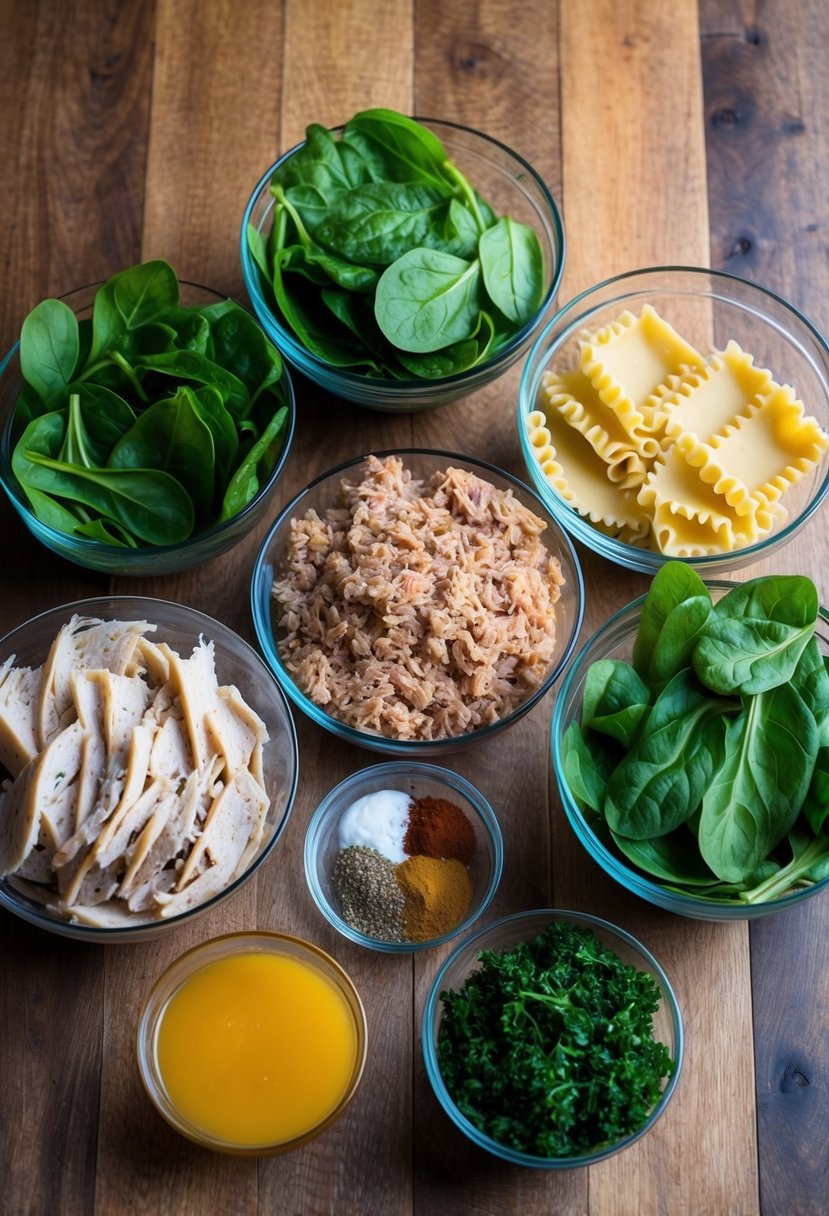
<point x="549" y="1047"/>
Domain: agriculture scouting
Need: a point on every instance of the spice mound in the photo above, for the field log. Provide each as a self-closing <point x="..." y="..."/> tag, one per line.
<point x="401" y="873"/>
<point x="418" y="610"/>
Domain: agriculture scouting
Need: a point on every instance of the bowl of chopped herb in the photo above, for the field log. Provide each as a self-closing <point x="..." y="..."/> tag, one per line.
<point x="401" y="263"/>
<point x="144" y="423"/>
<point x="402" y="856"/>
<point x="688" y="744"/>
<point x="551" y="1002"/>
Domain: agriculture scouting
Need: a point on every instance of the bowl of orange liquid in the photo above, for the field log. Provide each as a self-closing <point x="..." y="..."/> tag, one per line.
<point x="252" y="1043"/>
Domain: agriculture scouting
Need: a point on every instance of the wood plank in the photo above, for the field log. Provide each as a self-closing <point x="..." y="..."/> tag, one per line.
<point x="766" y="101"/>
<point x="494" y="67"/>
<point x="340" y="59"/>
<point x="635" y="195"/>
<point x="215" y="105"/>
<point x="73" y="90"/>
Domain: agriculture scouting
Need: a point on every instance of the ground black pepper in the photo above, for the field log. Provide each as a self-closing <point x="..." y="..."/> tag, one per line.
<point x="370" y="898"/>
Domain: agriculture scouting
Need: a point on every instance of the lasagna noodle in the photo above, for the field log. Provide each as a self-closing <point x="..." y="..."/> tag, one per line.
<point x="629" y="362"/>
<point x="702" y="403"/>
<point x="572" y="395"/>
<point x="760" y="455"/>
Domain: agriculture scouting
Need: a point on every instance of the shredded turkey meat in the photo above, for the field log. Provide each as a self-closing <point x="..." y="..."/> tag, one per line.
<point x="418" y="610"/>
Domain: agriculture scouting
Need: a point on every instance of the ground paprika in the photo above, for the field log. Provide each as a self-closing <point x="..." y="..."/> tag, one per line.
<point x="438" y="828"/>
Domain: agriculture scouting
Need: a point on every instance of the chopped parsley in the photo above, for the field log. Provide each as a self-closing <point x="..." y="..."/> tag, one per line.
<point x="549" y="1047"/>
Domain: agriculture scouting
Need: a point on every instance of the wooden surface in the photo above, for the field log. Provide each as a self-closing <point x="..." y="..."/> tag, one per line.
<point x="694" y="131"/>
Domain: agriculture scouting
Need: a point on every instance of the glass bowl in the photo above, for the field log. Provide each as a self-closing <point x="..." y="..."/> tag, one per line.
<point x="708" y="309"/>
<point x="322" y="494"/>
<point x="414" y="781"/>
<point x="500" y="937"/>
<point x="614" y="640"/>
<point x="306" y="975"/>
<point x="236" y="664"/>
<point x="502" y="177"/>
<point x="144" y="560"/>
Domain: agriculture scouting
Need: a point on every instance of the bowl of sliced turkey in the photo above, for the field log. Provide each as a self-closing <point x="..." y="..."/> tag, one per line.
<point x="148" y="766"/>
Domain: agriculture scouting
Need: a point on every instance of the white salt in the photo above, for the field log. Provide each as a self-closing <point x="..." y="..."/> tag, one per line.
<point x="377" y="821"/>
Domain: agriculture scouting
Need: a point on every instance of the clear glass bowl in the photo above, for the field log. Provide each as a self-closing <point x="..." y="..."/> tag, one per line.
<point x="502" y="935"/>
<point x="708" y="308"/>
<point x="418" y="781"/>
<point x="502" y="177"/>
<point x="321" y="494"/>
<point x="232" y="945"/>
<point x="236" y="663"/>
<point x="614" y="640"/>
<point x="144" y="560"/>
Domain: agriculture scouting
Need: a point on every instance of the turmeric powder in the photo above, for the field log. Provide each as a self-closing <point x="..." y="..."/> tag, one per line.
<point x="437" y="892"/>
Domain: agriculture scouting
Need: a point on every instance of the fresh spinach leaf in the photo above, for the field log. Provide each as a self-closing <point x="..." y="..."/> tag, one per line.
<point x="170" y="435"/>
<point x="49" y="348"/>
<point x="512" y="265"/>
<point x="756" y="634"/>
<point x="587" y="764"/>
<point x="615" y="700"/>
<point x="661" y="781"/>
<point x="428" y="299"/>
<point x="674" y="858"/>
<point x="379" y="222"/>
<point x="150" y="504"/>
<point x="396" y="148"/>
<point x="245" y="483"/>
<point x="672" y="585"/>
<point x="754" y="796"/>
<point x="129" y="300"/>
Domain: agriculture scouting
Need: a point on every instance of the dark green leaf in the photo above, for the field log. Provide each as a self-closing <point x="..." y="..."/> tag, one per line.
<point x="662" y="779"/>
<point x="512" y="265"/>
<point x="672" y="585"/>
<point x="755" y="795"/>
<point x="615" y="700"/>
<point x="756" y="634"/>
<point x="427" y="300"/>
<point x="49" y="347"/>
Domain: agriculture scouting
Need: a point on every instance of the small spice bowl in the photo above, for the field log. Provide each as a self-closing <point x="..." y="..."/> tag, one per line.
<point x="252" y="1043"/>
<point x="396" y="869"/>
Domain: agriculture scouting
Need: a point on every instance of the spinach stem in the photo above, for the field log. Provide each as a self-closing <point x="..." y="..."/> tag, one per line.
<point x="468" y="193"/>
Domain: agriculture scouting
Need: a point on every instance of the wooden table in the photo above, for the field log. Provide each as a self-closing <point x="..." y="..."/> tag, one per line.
<point x="689" y="132"/>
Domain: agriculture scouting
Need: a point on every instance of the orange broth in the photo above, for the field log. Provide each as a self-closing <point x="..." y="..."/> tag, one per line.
<point x="257" y="1048"/>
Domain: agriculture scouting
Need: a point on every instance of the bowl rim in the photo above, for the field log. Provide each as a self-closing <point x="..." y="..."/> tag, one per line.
<point x="539" y="917"/>
<point x="392" y="769"/>
<point x="84" y="546"/>
<point x="145" y="930"/>
<point x="299" y="355"/>
<point x="229" y="945"/>
<point x="698" y="906"/>
<point x="260" y="594"/>
<point x="646" y="560"/>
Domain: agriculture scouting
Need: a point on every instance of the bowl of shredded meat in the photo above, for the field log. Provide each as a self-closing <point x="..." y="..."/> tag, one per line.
<point x="415" y="601"/>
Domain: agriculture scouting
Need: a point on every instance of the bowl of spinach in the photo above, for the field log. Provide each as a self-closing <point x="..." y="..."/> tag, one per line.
<point x="401" y="263"/>
<point x="146" y="422"/>
<point x="552" y="1039"/>
<point x="690" y="745"/>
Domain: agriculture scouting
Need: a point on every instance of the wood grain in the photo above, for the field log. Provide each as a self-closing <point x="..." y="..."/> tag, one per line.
<point x="135" y="129"/>
<point x="622" y="211"/>
<point x="766" y="105"/>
